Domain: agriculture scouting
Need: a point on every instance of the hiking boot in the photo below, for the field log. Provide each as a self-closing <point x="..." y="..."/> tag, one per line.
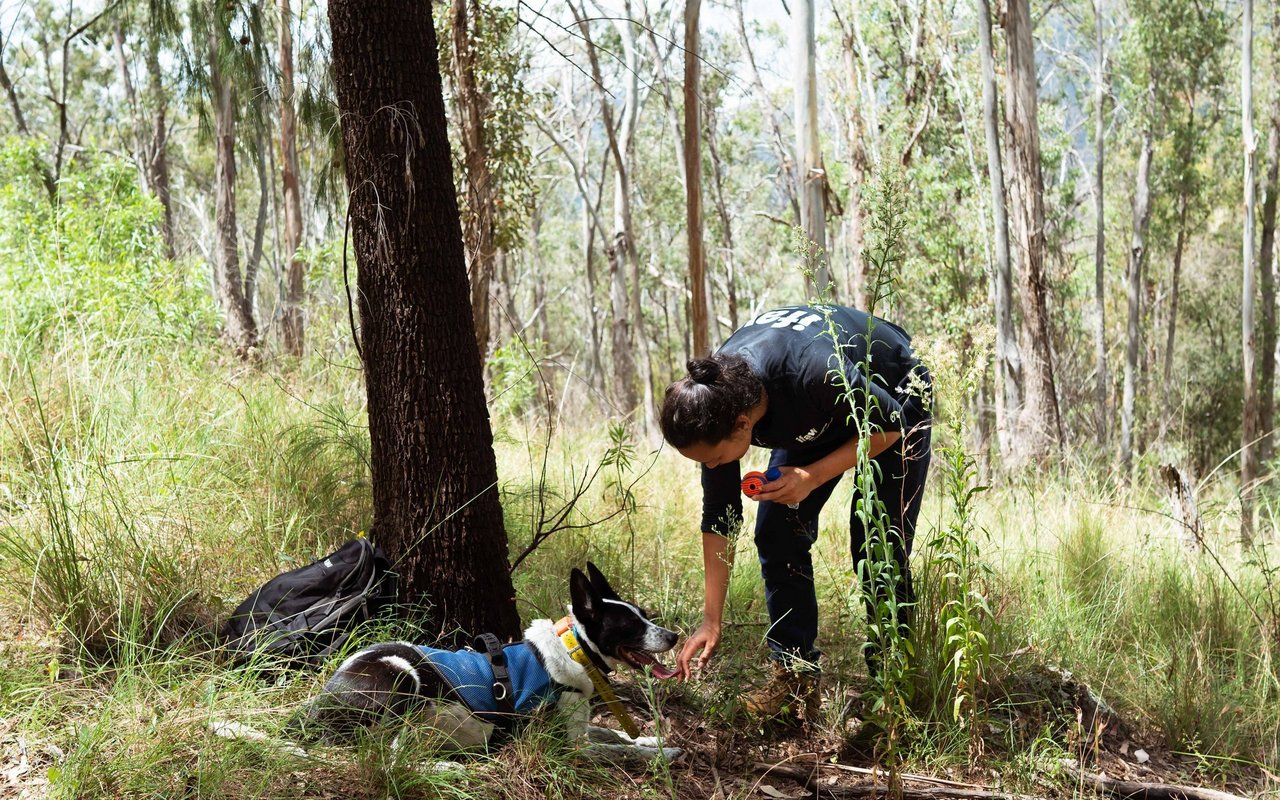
<point x="787" y="695"/>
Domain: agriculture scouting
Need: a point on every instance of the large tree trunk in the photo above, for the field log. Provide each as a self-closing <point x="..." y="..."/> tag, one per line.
<point x="813" y="179"/>
<point x="292" y="323"/>
<point x="1040" y="427"/>
<point x="1008" y="358"/>
<point x="478" y="223"/>
<point x="1100" y="227"/>
<point x="240" y="327"/>
<point x="693" y="180"/>
<point x="435" y="495"/>
<point x="1249" y="429"/>
<point x="1133" y="284"/>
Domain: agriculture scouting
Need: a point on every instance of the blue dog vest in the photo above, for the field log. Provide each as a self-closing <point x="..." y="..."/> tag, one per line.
<point x="470" y="676"/>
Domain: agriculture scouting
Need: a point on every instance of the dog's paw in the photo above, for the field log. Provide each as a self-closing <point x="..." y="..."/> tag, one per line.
<point x="236" y="731"/>
<point x="446" y="766"/>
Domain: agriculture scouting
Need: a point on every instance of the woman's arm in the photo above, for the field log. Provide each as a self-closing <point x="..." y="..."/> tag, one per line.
<point x="717" y="561"/>
<point x="797" y="482"/>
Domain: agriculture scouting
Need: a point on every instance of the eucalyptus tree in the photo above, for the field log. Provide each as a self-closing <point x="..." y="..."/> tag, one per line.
<point x="1175" y="67"/>
<point x="778" y="141"/>
<point x="693" y="179"/>
<point x="713" y="87"/>
<point x="808" y="148"/>
<point x="1249" y="430"/>
<point x="1040" y="425"/>
<point x="630" y="343"/>
<point x="1266" y="262"/>
<point x="292" y="322"/>
<point x="230" y="36"/>
<point x="856" y="136"/>
<point x="1101" y="91"/>
<point x="152" y="27"/>
<point x="1008" y="355"/>
<point x="1189" y="40"/>
<point x="20" y="119"/>
<point x="435" y="487"/>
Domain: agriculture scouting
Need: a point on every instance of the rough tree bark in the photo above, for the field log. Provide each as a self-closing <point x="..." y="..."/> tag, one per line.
<point x="693" y="181"/>
<point x="435" y="495"/>
<point x="1039" y="424"/>
<point x="1008" y="358"/>
<point x="292" y="323"/>
<point x="241" y="329"/>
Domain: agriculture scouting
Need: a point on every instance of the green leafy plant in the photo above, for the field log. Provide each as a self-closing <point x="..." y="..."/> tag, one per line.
<point x="965" y="612"/>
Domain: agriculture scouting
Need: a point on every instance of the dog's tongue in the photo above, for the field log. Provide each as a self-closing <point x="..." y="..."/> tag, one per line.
<point x="640" y="660"/>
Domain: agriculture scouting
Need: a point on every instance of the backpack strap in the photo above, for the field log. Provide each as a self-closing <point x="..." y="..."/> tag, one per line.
<point x="503" y="696"/>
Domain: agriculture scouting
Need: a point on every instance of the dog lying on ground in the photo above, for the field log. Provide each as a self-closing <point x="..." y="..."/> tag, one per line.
<point x="462" y="694"/>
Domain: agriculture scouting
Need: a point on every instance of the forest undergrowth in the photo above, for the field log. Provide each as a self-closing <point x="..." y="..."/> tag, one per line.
<point x="149" y="481"/>
<point x="145" y="490"/>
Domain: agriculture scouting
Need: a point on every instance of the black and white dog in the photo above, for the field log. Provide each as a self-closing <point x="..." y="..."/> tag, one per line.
<point x="453" y="692"/>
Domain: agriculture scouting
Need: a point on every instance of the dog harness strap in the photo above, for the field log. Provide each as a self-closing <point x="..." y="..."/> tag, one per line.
<point x="503" y="696"/>
<point x="579" y="654"/>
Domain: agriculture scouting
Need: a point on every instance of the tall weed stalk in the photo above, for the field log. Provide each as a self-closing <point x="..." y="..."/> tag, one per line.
<point x="888" y="642"/>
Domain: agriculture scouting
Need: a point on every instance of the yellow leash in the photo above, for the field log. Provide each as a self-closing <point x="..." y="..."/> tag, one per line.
<point x="565" y="628"/>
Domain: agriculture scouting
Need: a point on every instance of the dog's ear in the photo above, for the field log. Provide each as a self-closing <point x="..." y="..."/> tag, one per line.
<point x="583" y="596"/>
<point x="599" y="582"/>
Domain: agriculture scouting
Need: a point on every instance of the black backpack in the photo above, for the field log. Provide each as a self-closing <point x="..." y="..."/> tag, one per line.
<point x="305" y="614"/>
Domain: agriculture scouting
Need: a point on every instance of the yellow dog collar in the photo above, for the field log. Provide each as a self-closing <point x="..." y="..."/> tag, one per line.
<point x="565" y="628"/>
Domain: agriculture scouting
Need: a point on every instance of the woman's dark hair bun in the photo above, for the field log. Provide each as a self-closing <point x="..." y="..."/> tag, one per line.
<point x="704" y="370"/>
<point x="727" y="387"/>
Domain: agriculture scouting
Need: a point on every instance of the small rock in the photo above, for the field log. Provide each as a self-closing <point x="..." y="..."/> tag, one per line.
<point x="1141" y="756"/>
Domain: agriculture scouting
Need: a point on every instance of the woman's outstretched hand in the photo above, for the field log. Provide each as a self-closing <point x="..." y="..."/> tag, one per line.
<point x="704" y="640"/>
<point x="794" y="485"/>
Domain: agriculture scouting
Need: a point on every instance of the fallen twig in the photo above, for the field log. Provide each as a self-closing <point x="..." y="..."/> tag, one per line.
<point x="873" y="772"/>
<point x="809" y="772"/>
<point x="1144" y="791"/>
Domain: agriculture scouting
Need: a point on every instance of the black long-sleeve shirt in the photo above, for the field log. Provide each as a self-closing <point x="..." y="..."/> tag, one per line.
<point x="813" y="362"/>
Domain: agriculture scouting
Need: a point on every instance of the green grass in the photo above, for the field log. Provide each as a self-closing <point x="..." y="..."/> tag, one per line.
<point x="145" y="488"/>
